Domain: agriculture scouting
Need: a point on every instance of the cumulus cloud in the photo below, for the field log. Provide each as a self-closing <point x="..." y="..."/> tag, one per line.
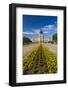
<point x="45" y="29"/>
<point x="49" y="27"/>
<point x="36" y="31"/>
<point x="31" y="33"/>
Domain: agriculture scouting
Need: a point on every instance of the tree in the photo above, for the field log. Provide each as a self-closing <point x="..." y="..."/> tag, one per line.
<point x="26" y="40"/>
<point x="55" y="37"/>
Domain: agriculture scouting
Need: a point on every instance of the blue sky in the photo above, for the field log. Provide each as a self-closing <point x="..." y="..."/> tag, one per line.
<point x="32" y="24"/>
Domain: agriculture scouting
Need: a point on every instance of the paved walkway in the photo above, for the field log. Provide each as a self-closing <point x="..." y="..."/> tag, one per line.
<point x="52" y="47"/>
<point x="28" y="48"/>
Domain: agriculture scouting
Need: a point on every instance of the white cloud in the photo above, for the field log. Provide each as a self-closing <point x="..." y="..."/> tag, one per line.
<point x="31" y="33"/>
<point x="49" y="27"/>
<point x="45" y="29"/>
<point x="36" y="31"/>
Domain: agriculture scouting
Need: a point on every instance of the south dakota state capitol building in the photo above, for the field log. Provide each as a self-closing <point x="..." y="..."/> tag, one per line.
<point x="40" y="38"/>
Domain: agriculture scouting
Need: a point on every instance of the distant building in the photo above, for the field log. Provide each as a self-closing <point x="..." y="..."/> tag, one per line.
<point x="43" y="39"/>
<point x="40" y="38"/>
